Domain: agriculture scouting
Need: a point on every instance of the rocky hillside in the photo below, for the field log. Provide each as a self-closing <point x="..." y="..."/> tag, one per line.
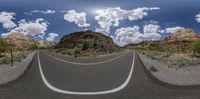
<point x="182" y="35"/>
<point x="45" y="44"/>
<point x="88" y="41"/>
<point x="19" y="41"/>
<point x="177" y="42"/>
<point x="23" y="42"/>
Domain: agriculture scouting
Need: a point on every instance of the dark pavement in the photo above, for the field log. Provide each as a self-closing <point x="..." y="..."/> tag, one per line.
<point x="99" y="77"/>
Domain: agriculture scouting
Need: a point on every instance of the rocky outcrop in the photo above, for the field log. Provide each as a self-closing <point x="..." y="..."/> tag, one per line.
<point x="87" y="41"/>
<point x="45" y="44"/>
<point x="182" y="35"/>
<point x="19" y="41"/>
<point x="177" y="42"/>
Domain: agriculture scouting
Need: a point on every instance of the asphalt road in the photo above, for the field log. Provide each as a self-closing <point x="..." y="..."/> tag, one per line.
<point x="56" y="77"/>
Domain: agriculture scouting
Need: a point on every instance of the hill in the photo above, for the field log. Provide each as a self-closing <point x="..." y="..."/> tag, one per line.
<point x="19" y="41"/>
<point x="45" y="44"/>
<point x="182" y="35"/>
<point x="176" y="42"/>
<point x="88" y="41"/>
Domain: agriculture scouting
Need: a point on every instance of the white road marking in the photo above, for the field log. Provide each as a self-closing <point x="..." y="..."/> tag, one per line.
<point x="86" y="93"/>
<point x="95" y="63"/>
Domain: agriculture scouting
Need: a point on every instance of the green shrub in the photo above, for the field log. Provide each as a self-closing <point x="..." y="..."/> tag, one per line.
<point x="195" y="47"/>
<point x="85" y="46"/>
<point x="3" y="46"/>
<point x="19" y="60"/>
<point x="24" y="56"/>
<point x="75" y="55"/>
<point x="77" y="52"/>
<point x="33" y="47"/>
<point x="6" y="60"/>
<point x="64" y="52"/>
<point x="60" y="50"/>
<point x="69" y="53"/>
<point x="169" y="66"/>
<point x="153" y="68"/>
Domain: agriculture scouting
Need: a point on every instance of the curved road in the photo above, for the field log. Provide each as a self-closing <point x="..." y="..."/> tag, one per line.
<point x="120" y="76"/>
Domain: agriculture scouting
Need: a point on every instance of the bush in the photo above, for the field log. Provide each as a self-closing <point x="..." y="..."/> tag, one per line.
<point x="33" y="47"/>
<point x="195" y="47"/>
<point x="69" y="53"/>
<point x="63" y="52"/>
<point x="23" y="56"/>
<point x="3" y="45"/>
<point x="85" y="46"/>
<point x="59" y="50"/>
<point x="153" y="68"/>
<point x="6" y="60"/>
<point x="19" y="60"/>
<point x="77" y="52"/>
<point x="75" y="55"/>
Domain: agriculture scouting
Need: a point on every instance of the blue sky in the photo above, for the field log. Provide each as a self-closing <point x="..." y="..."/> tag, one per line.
<point x="171" y="13"/>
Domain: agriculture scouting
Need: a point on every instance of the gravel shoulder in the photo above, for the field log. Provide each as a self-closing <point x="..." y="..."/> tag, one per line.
<point x="185" y="76"/>
<point x="9" y="73"/>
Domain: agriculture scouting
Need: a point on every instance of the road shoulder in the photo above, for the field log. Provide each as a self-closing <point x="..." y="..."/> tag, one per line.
<point x="10" y="73"/>
<point x="186" y="76"/>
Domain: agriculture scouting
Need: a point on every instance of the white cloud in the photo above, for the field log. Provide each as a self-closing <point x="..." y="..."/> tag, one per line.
<point x="151" y="28"/>
<point x="198" y="18"/>
<point x="39" y="26"/>
<point x="127" y="35"/>
<point x="77" y="18"/>
<point x="173" y="29"/>
<point x="6" y="19"/>
<point x="41" y="36"/>
<point x="132" y="35"/>
<point x="139" y="13"/>
<point x="52" y="36"/>
<point x="111" y="16"/>
<point x="151" y="32"/>
<point x="5" y="34"/>
<point x="40" y="11"/>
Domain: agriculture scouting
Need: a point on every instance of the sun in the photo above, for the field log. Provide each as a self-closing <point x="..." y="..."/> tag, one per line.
<point x="99" y="11"/>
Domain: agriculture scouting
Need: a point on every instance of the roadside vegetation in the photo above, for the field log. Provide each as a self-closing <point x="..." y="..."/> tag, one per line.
<point x="18" y="53"/>
<point x="81" y="53"/>
<point x="174" y="56"/>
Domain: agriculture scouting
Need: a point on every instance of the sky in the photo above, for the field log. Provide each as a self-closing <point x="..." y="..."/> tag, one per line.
<point x="125" y="21"/>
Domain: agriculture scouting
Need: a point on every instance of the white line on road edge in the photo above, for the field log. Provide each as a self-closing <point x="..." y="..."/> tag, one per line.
<point x="86" y="93"/>
<point x="95" y="63"/>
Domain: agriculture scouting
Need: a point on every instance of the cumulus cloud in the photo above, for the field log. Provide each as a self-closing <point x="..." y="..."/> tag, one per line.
<point x="5" y="34"/>
<point x="40" y="11"/>
<point x="39" y="26"/>
<point x="77" y="18"/>
<point x="111" y="16"/>
<point x="6" y="19"/>
<point x="151" y="32"/>
<point x="173" y="29"/>
<point x="51" y="36"/>
<point x="127" y="35"/>
<point x="198" y="18"/>
<point x="41" y="36"/>
<point x="132" y="35"/>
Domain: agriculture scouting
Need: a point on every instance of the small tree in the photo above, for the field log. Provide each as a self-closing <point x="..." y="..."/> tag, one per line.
<point x="3" y="46"/>
<point x="85" y="46"/>
<point x="33" y="47"/>
<point x="195" y="47"/>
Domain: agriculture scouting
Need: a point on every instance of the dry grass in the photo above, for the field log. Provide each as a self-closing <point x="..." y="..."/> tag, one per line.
<point x="171" y="60"/>
<point x="18" y="56"/>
